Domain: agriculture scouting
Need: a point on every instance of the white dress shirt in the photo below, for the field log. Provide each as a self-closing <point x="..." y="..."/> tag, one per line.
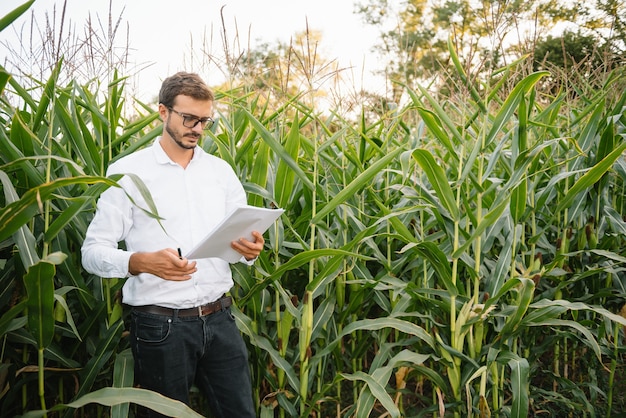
<point x="190" y="201"/>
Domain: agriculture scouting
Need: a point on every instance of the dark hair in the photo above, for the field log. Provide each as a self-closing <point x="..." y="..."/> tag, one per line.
<point x="187" y="84"/>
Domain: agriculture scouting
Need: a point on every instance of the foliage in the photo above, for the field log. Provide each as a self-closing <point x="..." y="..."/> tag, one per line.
<point x="487" y="35"/>
<point x="462" y="255"/>
<point x="568" y="50"/>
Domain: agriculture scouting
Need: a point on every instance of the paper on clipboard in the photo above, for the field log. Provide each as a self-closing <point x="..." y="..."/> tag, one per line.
<point x="239" y="224"/>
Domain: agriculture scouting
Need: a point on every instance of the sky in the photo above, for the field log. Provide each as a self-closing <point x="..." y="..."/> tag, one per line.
<point x="161" y="32"/>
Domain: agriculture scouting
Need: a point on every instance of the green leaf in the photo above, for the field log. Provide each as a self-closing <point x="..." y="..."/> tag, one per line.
<point x="259" y="172"/>
<point x="488" y="220"/>
<point x="285" y="176"/>
<point x="49" y="95"/>
<point x="6" y="320"/>
<point x="561" y="305"/>
<point x="359" y="183"/>
<point x="511" y="103"/>
<point x="18" y="213"/>
<point x="440" y="112"/>
<point x="295" y="262"/>
<point x="437" y="178"/>
<point x="279" y="150"/>
<point x="21" y="145"/>
<point x="245" y="326"/>
<point x="69" y="317"/>
<point x="24" y="239"/>
<point x="518" y="201"/>
<point x="115" y="396"/>
<point x="378" y="390"/>
<point x="521" y="145"/>
<point x="102" y="353"/>
<point x="39" y="283"/>
<point x="123" y="377"/>
<point x="434" y="125"/>
<point x="525" y="297"/>
<point x="381" y="323"/>
<point x="4" y="78"/>
<point x="590" y="177"/>
<point x="461" y="73"/>
<point x="322" y="316"/>
<point x="70" y="126"/>
<point x="382" y="374"/>
<point x="60" y="222"/>
<point x="13" y="15"/>
<point x="437" y="258"/>
<point x="519" y="387"/>
<point x="559" y="323"/>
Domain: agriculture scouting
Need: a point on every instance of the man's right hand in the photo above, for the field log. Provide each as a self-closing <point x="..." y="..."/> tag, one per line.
<point x="164" y="263"/>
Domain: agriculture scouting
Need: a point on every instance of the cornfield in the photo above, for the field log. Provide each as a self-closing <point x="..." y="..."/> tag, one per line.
<point x="457" y="255"/>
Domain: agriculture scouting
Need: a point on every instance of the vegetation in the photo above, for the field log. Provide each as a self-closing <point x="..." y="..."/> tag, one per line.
<point x="489" y="35"/>
<point x="459" y="254"/>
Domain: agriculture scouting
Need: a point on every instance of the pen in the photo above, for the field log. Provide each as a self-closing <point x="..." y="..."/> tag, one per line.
<point x="180" y="255"/>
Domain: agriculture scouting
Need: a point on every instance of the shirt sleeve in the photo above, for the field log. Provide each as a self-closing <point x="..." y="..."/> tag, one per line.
<point x="100" y="251"/>
<point x="246" y="261"/>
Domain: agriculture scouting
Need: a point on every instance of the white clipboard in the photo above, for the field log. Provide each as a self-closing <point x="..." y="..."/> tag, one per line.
<point x="238" y="224"/>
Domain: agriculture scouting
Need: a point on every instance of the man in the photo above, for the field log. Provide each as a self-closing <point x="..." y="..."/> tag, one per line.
<point x="181" y="331"/>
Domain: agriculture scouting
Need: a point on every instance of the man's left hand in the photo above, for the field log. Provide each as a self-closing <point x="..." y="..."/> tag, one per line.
<point x="249" y="249"/>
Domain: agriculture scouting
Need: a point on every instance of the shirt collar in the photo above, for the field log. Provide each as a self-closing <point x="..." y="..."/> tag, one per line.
<point x="162" y="158"/>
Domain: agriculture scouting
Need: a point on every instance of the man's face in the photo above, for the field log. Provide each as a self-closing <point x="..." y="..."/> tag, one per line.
<point x="185" y="106"/>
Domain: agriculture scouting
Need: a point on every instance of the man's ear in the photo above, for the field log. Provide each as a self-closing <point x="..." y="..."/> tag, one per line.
<point x="163" y="111"/>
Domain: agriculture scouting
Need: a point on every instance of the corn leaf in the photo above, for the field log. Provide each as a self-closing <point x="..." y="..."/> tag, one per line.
<point x="123" y="377"/>
<point x="439" y="182"/>
<point x="114" y="396"/>
<point x="14" y="14"/>
<point x="590" y="177"/>
<point x="285" y="176"/>
<point x="39" y="283"/>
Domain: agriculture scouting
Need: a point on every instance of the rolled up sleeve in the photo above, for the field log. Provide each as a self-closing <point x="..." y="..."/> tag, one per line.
<point x="100" y="251"/>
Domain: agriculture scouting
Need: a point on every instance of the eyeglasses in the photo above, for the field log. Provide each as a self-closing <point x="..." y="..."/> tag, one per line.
<point x="190" y="121"/>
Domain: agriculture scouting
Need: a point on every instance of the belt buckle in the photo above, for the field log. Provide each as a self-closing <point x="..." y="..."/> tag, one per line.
<point x="200" y="310"/>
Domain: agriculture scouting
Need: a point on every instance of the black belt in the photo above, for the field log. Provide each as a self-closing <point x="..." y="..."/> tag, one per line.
<point x="204" y="310"/>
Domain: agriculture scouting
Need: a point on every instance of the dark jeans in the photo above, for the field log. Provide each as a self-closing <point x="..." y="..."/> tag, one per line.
<point x="172" y="353"/>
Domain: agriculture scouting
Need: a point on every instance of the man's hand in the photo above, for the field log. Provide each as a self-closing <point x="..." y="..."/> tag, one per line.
<point x="249" y="249"/>
<point x="164" y="263"/>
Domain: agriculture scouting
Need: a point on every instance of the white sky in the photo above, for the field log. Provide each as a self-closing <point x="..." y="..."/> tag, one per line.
<point x="161" y="31"/>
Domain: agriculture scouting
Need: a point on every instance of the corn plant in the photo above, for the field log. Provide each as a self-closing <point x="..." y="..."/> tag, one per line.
<point x="58" y="324"/>
<point x="430" y="247"/>
<point x="458" y="255"/>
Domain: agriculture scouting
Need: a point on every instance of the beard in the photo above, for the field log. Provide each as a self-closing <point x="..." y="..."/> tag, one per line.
<point x="179" y="138"/>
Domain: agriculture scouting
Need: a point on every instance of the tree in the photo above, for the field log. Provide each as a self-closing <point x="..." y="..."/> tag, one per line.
<point x="486" y="34"/>
<point x="568" y="50"/>
<point x="298" y="71"/>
